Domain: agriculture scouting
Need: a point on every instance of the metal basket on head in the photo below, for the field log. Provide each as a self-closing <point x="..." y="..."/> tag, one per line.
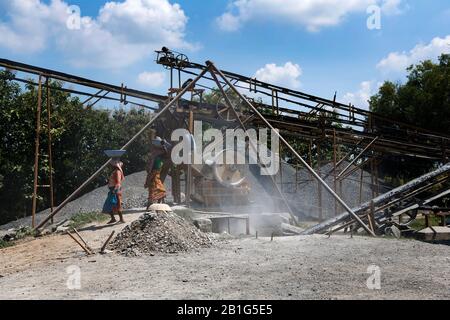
<point x="115" y="154"/>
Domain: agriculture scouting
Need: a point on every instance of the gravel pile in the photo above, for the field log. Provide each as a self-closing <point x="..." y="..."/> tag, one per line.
<point x="159" y="232"/>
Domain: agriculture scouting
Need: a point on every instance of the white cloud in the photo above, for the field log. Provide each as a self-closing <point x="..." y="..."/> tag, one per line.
<point x="229" y="22"/>
<point x="393" y="7"/>
<point x="360" y="98"/>
<point x="287" y="75"/>
<point x="28" y="27"/>
<point x="151" y="79"/>
<point x="397" y="62"/>
<point x="122" y="33"/>
<point x="312" y="14"/>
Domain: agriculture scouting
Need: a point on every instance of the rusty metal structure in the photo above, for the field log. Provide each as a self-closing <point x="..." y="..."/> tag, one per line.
<point x="233" y="103"/>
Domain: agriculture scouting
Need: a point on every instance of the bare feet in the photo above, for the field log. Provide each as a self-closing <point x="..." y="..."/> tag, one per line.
<point x="113" y="220"/>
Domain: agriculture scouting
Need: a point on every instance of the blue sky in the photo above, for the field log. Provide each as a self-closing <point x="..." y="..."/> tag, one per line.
<point x="316" y="47"/>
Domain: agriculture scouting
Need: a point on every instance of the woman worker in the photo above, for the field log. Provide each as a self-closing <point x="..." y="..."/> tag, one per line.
<point x="159" y="154"/>
<point x="113" y="203"/>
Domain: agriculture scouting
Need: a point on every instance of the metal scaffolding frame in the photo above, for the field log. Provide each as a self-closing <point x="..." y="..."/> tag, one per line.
<point x="309" y="117"/>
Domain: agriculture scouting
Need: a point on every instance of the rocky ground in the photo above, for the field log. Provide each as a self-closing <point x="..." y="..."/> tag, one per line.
<point x="310" y="267"/>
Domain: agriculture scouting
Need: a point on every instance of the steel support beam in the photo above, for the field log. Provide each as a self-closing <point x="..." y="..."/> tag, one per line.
<point x="255" y="148"/>
<point x="357" y="157"/>
<point x="324" y="184"/>
<point x="378" y="201"/>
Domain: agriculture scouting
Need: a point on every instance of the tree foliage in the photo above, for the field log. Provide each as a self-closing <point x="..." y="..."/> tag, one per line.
<point x="424" y="100"/>
<point x="80" y="135"/>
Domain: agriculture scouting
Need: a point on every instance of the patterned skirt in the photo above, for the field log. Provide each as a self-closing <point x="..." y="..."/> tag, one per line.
<point x="156" y="189"/>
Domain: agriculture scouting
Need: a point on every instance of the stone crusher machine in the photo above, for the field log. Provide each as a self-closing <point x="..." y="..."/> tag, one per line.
<point x="210" y="185"/>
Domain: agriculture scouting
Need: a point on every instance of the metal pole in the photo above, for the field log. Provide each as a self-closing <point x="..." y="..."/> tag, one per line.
<point x="352" y="171"/>
<point x="137" y="135"/>
<point x="36" y="152"/>
<point x="393" y="194"/>
<point x="344" y="158"/>
<point x="311" y="170"/>
<point x="255" y="148"/>
<point x="310" y="155"/>
<point x="319" y="185"/>
<point x="372" y="179"/>
<point x="334" y="171"/>
<point x="377" y="180"/>
<point x="348" y="154"/>
<point x="50" y="147"/>
<point x="189" y="166"/>
<point x="361" y="186"/>
<point x="176" y="186"/>
<point x="358" y="156"/>
<point x="281" y="169"/>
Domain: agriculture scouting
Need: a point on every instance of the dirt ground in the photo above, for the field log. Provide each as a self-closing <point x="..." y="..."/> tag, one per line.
<point x="310" y="267"/>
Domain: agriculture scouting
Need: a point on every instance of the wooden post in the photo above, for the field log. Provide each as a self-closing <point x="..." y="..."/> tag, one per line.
<point x="81" y="238"/>
<point x="310" y="156"/>
<point x="371" y="216"/>
<point x="102" y="250"/>
<point x="176" y="187"/>
<point x="50" y="147"/>
<point x="319" y="190"/>
<point x="335" y="172"/>
<point x="189" y="166"/>
<point x="377" y="180"/>
<point x="427" y="220"/>
<point x="281" y="169"/>
<point x="372" y="178"/>
<point x="36" y="152"/>
<point x="361" y="186"/>
<point x="88" y="252"/>
<point x="273" y="101"/>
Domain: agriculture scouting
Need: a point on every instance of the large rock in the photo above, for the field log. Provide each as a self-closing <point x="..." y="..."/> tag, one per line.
<point x="203" y="224"/>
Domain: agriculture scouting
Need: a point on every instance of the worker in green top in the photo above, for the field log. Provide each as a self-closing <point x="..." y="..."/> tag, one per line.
<point x="156" y="190"/>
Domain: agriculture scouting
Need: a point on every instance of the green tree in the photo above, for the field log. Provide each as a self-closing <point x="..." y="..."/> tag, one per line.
<point x="423" y="100"/>
<point x="80" y="135"/>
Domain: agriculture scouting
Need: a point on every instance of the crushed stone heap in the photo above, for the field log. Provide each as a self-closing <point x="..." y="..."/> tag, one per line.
<point x="159" y="232"/>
